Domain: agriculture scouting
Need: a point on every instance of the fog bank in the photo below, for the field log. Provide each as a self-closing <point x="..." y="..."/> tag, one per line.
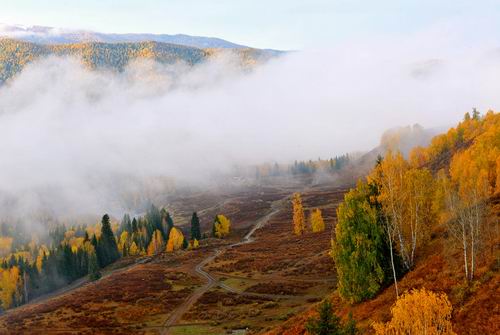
<point x="67" y="133"/>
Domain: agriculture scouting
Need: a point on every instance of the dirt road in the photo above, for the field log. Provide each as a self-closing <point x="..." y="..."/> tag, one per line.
<point x="211" y="280"/>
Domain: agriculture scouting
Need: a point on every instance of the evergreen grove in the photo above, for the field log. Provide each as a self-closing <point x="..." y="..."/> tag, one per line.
<point x="71" y="253"/>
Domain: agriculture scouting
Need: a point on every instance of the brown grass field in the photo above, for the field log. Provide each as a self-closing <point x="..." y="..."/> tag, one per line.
<point x="270" y="285"/>
<point x="272" y="278"/>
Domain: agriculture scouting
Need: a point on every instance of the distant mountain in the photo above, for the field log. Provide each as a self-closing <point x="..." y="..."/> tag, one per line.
<point x="49" y="35"/>
<point x="402" y="139"/>
<point x="15" y="54"/>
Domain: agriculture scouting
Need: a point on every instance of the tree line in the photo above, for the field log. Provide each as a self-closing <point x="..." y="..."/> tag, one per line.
<point x="331" y="165"/>
<point x="32" y="269"/>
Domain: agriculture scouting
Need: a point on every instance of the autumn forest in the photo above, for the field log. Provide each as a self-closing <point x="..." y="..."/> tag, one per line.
<point x="249" y="168"/>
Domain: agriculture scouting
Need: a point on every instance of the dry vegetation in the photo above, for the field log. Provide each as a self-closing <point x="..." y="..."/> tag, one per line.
<point x="279" y="273"/>
<point x="135" y="300"/>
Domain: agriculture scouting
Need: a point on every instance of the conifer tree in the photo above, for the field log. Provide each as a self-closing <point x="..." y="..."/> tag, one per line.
<point x="107" y="247"/>
<point x="358" y="245"/>
<point x="126" y="224"/>
<point x="195" y="227"/>
<point x="154" y="218"/>
<point x="93" y="266"/>
<point x="167" y="222"/>
<point x="327" y="323"/>
<point x="134" y="225"/>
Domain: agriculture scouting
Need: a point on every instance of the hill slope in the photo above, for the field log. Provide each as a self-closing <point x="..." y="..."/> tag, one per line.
<point x="15" y="54"/>
<point x="439" y="265"/>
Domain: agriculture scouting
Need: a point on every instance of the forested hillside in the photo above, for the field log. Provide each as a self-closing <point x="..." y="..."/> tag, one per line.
<point x="15" y="54"/>
<point x="421" y="235"/>
<point x="32" y="265"/>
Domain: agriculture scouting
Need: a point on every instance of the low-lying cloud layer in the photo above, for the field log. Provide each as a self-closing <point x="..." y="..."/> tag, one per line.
<point x="66" y="131"/>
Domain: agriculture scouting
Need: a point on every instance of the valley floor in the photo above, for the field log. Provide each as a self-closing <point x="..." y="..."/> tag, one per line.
<point x="224" y="285"/>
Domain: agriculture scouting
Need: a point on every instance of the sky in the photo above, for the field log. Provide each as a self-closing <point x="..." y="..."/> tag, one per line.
<point x="278" y="24"/>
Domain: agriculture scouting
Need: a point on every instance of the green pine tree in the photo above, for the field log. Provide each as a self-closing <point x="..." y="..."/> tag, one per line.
<point x="168" y="223"/>
<point x="107" y="247"/>
<point x="327" y="323"/>
<point x="358" y="248"/>
<point x="195" y="227"/>
<point x="350" y="327"/>
<point x="134" y="225"/>
<point x="214" y="227"/>
<point x="93" y="267"/>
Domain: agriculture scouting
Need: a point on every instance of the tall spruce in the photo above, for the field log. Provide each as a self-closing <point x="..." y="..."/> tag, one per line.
<point x="126" y="224"/>
<point x="107" y="247"/>
<point x="214" y="226"/>
<point x="93" y="266"/>
<point x="358" y="247"/>
<point x="134" y="225"/>
<point x="167" y="222"/>
<point x="327" y="323"/>
<point x="154" y="218"/>
<point x="195" y="227"/>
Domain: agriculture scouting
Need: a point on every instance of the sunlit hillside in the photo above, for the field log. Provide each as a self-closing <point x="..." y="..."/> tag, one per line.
<point x="16" y="54"/>
<point x="452" y="186"/>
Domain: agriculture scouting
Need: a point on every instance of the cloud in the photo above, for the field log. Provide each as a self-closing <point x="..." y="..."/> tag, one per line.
<point x="73" y="139"/>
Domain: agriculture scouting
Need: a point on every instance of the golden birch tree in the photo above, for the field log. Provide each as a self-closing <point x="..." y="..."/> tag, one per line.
<point x="299" y="225"/>
<point x="175" y="240"/>
<point x="419" y="312"/>
<point x="317" y="222"/>
<point x="156" y="244"/>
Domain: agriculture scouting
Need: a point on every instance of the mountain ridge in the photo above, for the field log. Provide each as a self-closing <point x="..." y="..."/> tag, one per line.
<point x="16" y="54"/>
<point x="51" y="35"/>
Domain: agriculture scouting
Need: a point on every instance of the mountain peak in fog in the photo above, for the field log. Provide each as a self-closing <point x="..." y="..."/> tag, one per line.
<point x="51" y="35"/>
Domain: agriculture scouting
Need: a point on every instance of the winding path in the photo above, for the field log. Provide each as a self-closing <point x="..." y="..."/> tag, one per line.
<point x="211" y="280"/>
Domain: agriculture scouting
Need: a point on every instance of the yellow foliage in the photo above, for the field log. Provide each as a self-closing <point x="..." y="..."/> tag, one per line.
<point x="134" y="250"/>
<point x="156" y="244"/>
<point x="497" y="187"/>
<point x="5" y="245"/>
<point x="94" y="230"/>
<point x="123" y="240"/>
<point x="88" y="247"/>
<point x="43" y="251"/>
<point x="175" y="240"/>
<point x="222" y="226"/>
<point x="299" y="225"/>
<point x="75" y="243"/>
<point x="69" y="234"/>
<point x="317" y="222"/>
<point x="419" y="312"/>
<point x="418" y="157"/>
<point x="193" y="244"/>
<point x="406" y="195"/>
<point x="10" y="284"/>
<point x="476" y="169"/>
